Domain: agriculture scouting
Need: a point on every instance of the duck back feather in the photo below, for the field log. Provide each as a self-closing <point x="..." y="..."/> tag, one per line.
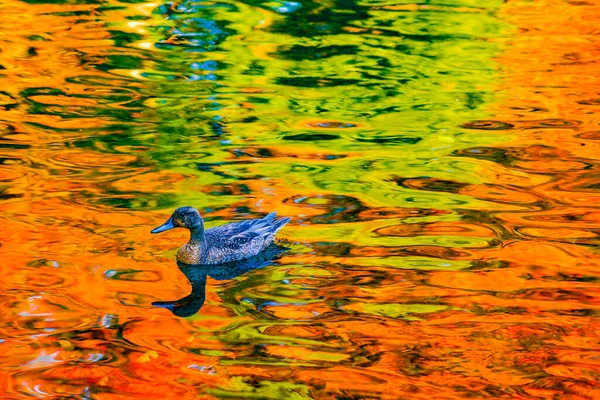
<point x="237" y="241"/>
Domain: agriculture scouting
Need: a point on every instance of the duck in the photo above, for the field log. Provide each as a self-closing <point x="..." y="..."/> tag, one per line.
<point x="222" y="244"/>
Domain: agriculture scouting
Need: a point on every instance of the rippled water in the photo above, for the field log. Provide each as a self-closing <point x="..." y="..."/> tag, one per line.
<point x="439" y="161"/>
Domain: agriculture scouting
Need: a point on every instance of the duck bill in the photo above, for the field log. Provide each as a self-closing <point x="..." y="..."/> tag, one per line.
<point x="164" y="227"/>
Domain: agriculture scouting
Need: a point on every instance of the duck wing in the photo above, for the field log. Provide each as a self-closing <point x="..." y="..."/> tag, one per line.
<point x="240" y="234"/>
<point x="240" y="240"/>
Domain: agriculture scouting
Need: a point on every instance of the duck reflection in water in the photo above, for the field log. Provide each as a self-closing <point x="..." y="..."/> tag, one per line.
<point x="197" y="275"/>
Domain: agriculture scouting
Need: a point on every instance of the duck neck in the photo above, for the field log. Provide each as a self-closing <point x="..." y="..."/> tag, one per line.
<point x="197" y="234"/>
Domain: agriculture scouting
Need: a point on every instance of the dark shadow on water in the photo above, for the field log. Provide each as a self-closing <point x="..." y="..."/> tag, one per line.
<point x="197" y="274"/>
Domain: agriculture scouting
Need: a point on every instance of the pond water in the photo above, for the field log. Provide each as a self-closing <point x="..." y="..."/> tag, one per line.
<point x="439" y="161"/>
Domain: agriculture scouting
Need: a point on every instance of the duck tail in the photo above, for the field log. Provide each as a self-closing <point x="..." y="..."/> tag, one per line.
<point x="280" y="224"/>
<point x="270" y="217"/>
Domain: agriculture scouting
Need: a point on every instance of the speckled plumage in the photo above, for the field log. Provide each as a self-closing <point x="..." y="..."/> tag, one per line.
<point x="225" y="243"/>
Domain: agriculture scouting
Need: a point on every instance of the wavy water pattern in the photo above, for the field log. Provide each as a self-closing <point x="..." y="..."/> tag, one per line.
<point x="439" y="162"/>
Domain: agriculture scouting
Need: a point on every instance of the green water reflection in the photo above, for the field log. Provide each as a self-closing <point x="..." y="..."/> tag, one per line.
<point x="381" y="92"/>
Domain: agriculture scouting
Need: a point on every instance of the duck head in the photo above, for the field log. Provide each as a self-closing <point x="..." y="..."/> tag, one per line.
<point x="183" y="217"/>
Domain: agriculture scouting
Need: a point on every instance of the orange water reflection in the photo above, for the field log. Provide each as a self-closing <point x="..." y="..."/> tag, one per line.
<point x="472" y="274"/>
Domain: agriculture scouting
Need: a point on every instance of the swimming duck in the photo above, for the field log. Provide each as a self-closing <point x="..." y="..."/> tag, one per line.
<point x="221" y="244"/>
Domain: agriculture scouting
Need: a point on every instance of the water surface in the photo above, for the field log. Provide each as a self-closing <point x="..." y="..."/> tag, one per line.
<point x="439" y="161"/>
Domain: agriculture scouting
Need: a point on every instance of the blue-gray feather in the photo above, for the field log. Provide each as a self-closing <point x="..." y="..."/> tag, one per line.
<point x="222" y="244"/>
<point x="240" y="240"/>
